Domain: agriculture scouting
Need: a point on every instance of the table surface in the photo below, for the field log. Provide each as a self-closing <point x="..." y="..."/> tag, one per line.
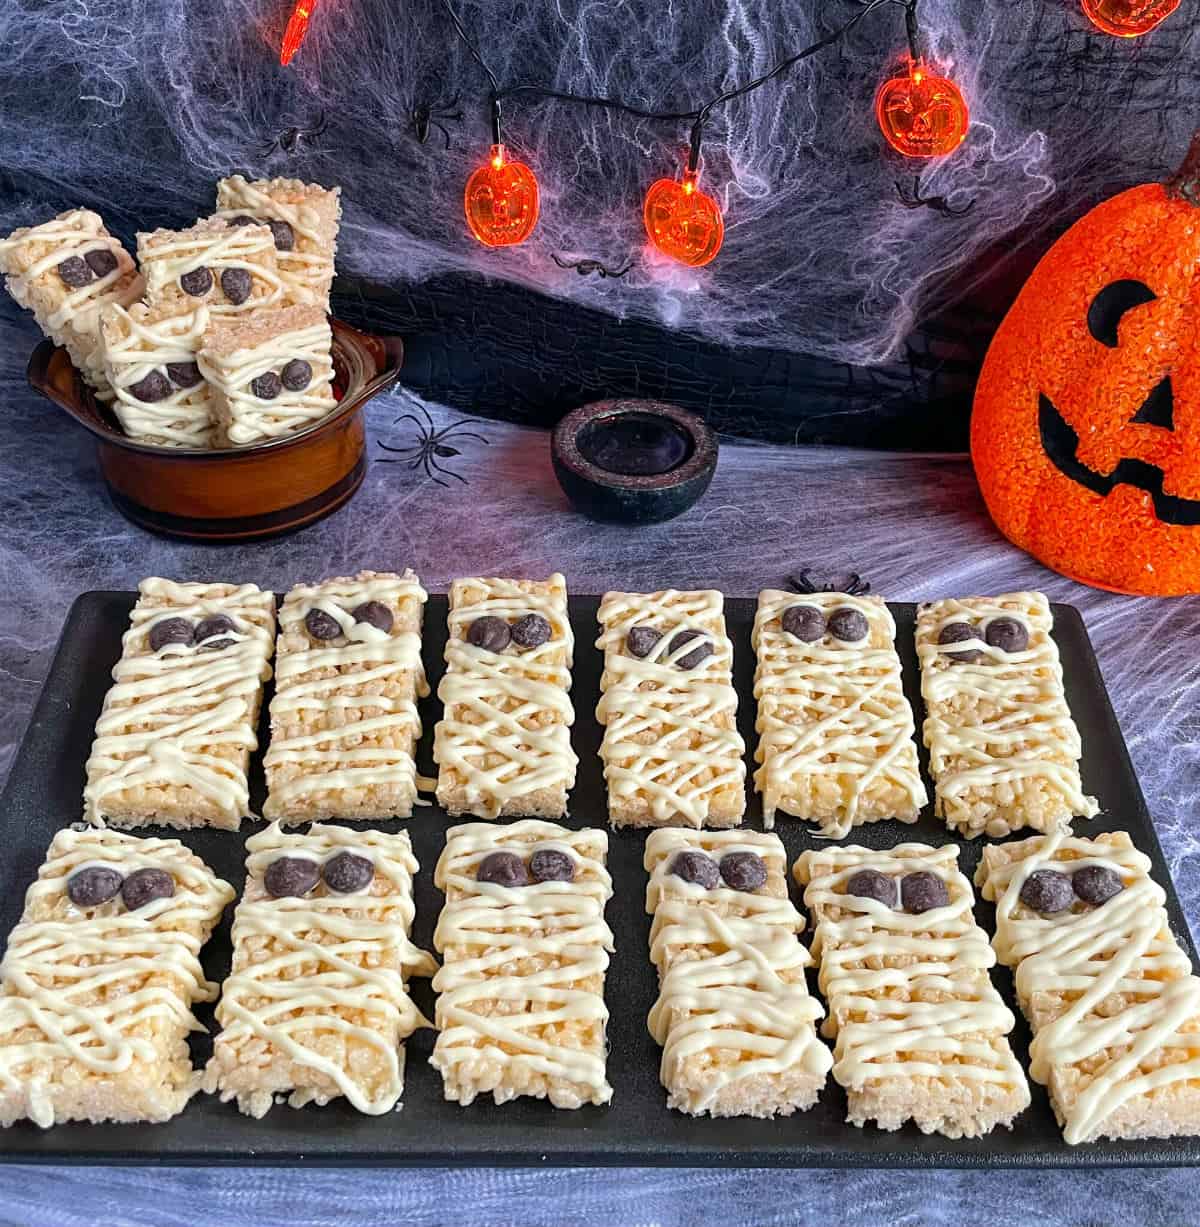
<point x="914" y="525"/>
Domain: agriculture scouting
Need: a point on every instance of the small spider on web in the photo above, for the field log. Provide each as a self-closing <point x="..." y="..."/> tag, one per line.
<point x="939" y="204"/>
<point x="427" y="115"/>
<point x="291" y="139"/>
<point x="852" y="584"/>
<point x="433" y="444"/>
<point x="585" y="268"/>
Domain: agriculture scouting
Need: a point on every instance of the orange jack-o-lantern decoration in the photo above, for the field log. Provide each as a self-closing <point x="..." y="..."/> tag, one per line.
<point x="682" y="221"/>
<point x="1128" y="18"/>
<point x="1086" y="429"/>
<point x="501" y="201"/>
<point x="921" y="114"/>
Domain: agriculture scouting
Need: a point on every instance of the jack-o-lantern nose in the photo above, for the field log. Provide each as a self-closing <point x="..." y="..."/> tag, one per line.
<point x="1158" y="409"/>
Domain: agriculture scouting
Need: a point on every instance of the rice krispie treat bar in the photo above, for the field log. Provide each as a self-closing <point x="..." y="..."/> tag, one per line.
<point x="316" y="1005"/>
<point x="734" y="1015"/>
<point x="835" y="730"/>
<point x="503" y="747"/>
<point x="174" y="738"/>
<point x="303" y="218"/>
<point x="271" y="372"/>
<point x="65" y="271"/>
<point x="150" y="361"/>
<point x="1107" y="989"/>
<point x="524" y="948"/>
<point x="921" y="1032"/>
<point x="672" y="753"/>
<point x="1003" y="749"/>
<point x="344" y="722"/>
<point x="99" y="980"/>
<point x="226" y="268"/>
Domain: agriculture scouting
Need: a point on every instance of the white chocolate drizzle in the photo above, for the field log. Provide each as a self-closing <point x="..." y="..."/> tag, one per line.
<point x="167" y="255"/>
<point x="857" y="727"/>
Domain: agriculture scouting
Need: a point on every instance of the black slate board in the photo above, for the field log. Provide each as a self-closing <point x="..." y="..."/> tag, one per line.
<point x="43" y="794"/>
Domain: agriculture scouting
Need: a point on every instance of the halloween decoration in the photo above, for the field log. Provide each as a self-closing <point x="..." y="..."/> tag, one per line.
<point x="433" y="444"/>
<point x="429" y="115"/>
<point x="297" y="28"/>
<point x="1086" y="428"/>
<point x="937" y="204"/>
<point x="851" y="583"/>
<point x="501" y="201"/>
<point x="921" y="114"/>
<point x="682" y="221"/>
<point x="1128" y="18"/>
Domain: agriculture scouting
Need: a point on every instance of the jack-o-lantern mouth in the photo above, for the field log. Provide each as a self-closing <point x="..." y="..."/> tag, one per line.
<point x="1060" y="442"/>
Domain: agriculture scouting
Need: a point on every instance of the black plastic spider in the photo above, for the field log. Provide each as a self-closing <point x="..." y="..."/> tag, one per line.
<point x="939" y="204"/>
<point x="854" y="584"/>
<point x="586" y="267"/>
<point x="431" y="445"/>
<point x="426" y="115"/>
<point x="290" y="139"/>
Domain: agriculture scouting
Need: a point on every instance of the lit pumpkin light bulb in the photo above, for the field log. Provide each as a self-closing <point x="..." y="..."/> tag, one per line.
<point x="501" y="201"/>
<point x="922" y="114"/>
<point x="682" y="221"/>
<point x="1128" y="18"/>
<point x="297" y="28"/>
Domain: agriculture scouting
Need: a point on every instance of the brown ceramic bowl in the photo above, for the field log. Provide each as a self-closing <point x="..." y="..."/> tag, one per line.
<point x="241" y="493"/>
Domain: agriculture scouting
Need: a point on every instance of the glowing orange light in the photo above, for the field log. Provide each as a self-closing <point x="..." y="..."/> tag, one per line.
<point x="682" y="221"/>
<point x="1128" y="18"/>
<point x="297" y="28"/>
<point x="501" y="201"/>
<point x="921" y="114"/>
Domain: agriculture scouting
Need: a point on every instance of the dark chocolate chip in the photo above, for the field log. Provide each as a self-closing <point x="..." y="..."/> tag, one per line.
<point x="75" y="272"/>
<point x="551" y="865"/>
<point x="1047" y="890"/>
<point x="696" y="867"/>
<point x="1096" y="884"/>
<point x="1007" y="634"/>
<point x="296" y="375"/>
<point x="93" y="885"/>
<point x="243" y="219"/>
<point x="374" y="613"/>
<point x="170" y="630"/>
<point x="283" y="234"/>
<point x="236" y="285"/>
<point x="291" y="875"/>
<point x="346" y="873"/>
<point x="216" y="624"/>
<point x="196" y="283"/>
<point x="923" y="891"/>
<point x="267" y="386"/>
<point x="689" y="660"/>
<point x="531" y="631"/>
<point x="871" y="884"/>
<point x="960" y="632"/>
<point x="805" y="622"/>
<point x="743" y="870"/>
<point x="849" y="625"/>
<point x="502" y="869"/>
<point x="642" y="640"/>
<point x="152" y="387"/>
<point x="491" y="634"/>
<point x="101" y="261"/>
<point x="144" y="886"/>
<point x="321" y="625"/>
<point x="184" y="374"/>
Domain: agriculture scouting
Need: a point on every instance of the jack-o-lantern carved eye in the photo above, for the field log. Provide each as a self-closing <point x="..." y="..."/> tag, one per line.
<point x="1111" y="304"/>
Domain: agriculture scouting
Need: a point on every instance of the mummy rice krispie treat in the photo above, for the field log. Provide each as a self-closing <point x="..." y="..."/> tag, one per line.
<point x="921" y="1032"/>
<point x="672" y="753"/>
<point x="303" y="218"/>
<point x="1003" y="749"/>
<point x="344" y="722"/>
<point x="99" y="979"/>
<point x="524" y="948"/>
<point x="733" y="1015"/>
<point x="835" y="730"/>
<point x="503" y="747"/>
<point x="316" y="1005"/>
<point x="271" y="373"/>
<point x="65" y="271"/>
<point x="1107" y="989"/>
<point x="160" y="396"/>
<point x="174" y="738"/>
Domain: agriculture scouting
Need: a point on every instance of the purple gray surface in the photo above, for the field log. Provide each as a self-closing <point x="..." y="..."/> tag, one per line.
<point x="913" y="524"/>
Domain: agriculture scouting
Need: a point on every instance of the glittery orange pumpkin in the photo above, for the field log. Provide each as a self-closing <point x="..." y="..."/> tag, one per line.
<point x="682" y="221"/>
<point x="1086" y="428"/>
<point x="501" y="201"/>
<point x="1128" y="18"/>
<point x="921" y="114"/>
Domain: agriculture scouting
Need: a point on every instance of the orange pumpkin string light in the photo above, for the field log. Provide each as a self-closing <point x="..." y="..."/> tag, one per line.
<point x="501" y="201"/>
<point x="682" y="221"/>
<point x="1128" y="18"/>
<point x="297" y="28"/>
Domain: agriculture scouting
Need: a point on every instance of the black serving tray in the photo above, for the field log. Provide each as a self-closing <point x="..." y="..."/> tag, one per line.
<point x="44" y="794"/>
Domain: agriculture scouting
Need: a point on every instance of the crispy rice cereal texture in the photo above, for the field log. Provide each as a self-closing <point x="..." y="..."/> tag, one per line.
<point x="921" y="1033"/>
<point x="521" y="1008"/>
<point x="1107" y="989"/>
<point x="96" y="1002"/>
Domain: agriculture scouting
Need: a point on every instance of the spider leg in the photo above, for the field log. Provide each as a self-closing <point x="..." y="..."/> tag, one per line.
<point x="446" y="472"/>
<point x="803" y="581"/>
<point x="409" y="417"/>
<point x="463" y="433"/>
<point x="620" y="272"/>
<point x="399" y="451"/>
<point x="433" y="123"/>
<point x="429" y="472"/>
<point x="560" y="263"/>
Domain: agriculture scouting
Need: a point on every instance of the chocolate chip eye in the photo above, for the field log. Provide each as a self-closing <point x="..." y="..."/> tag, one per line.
<point x="960" y="632"/>
<point x="922" y="891"/>
<point x="184" y="374"/>
<point x="216" y="624"/>
<point x="871" y="884"/>
<point x="170" y="630"/>
<point x="243" y="219"/>
<point x="101" y="261"/>
<point x="697" y="868"/>
<point x="236" y="285"/>
<point x="689" y="660"/>
<point x="642" y="640"/>
<point x="75" y="272"/>
<point x="1047" y="890"/>
<point x="283" y="234"/>
<point x="346" y="873"/>
<point x="551" y="865"/>
<point x="321" y="625"/>
<point x="491" y="634"/>
<point x="92" y="886"/>
<point x="743" y="871"/>
<point x="267" y="386"/>
<point x="374" y="613"/>
<point x="1096" y="884"/>
<point x="502" y="869"/>
<point x="196" y="283"/>
<point x="849" y="625"/>
<point x="805" y="622"/>
<point x="531" y="631"/>
<point x="1007" y="634"/>
<point x="151" y="388"/>
<point x="1111" y="304"/>
<point x="144" y="886"/>
<point x="296" y="375"/>
<point x="291" y="876"/>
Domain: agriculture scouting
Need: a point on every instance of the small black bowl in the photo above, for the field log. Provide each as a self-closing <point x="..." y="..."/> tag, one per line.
<point x="633" y="461"/>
